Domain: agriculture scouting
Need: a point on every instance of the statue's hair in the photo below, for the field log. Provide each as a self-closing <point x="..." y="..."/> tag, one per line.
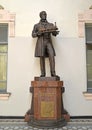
<point x="42" y="13"/>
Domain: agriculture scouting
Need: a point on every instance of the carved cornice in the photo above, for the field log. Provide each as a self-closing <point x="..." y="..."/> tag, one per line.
<point x="90" y="7"/>
<point x="1" y="7"/>
<point x="83" y="18"/>
<point x="9" y="18"/>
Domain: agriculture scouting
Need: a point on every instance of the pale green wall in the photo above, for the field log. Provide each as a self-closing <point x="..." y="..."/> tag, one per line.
<point x="70" y="54"/>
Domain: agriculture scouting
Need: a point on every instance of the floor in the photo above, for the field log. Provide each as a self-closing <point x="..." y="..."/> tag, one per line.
<point x="19" y="124"/>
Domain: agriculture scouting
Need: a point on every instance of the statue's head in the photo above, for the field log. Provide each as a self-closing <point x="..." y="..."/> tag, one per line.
<point x="43" y="15"/>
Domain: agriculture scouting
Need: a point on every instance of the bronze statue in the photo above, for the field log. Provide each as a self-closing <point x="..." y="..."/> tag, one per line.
<point x="44" y="48"/>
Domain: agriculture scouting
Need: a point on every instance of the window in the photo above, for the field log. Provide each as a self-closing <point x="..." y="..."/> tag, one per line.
<point x="88" y="31"/>
<point x="3" y="56"/>
<point x="85" y="31"/>
<point x="7" y="29"/>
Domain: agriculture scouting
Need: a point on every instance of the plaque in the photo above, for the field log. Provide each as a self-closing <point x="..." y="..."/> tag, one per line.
<point x="47" y="109"/>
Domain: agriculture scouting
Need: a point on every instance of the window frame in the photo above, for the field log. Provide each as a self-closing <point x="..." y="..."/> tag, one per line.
<point x="4" y="53"/>
<point x="84" y="17"/>
<point x="7" y="18"/>
<point x="88" y="27"/>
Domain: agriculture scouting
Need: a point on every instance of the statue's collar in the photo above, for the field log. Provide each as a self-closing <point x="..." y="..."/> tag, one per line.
<point x="43" y="21"/>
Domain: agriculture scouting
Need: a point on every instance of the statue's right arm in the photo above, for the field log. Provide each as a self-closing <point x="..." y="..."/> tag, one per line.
<point x="34" y="32"/>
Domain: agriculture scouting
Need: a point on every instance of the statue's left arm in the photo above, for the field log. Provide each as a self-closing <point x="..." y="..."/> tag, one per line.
<point x="56" y="32"/>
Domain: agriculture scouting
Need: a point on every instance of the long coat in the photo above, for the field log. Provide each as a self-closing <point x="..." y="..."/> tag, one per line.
<point x="42" y="40"/>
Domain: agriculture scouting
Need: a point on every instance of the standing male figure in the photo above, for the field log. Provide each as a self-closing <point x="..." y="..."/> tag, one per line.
<point x="44" y="47"/>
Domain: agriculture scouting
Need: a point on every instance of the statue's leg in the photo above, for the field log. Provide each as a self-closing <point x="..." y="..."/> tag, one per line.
<point x="52" y="65"/>
<point x="42" y="66"/>
<point x="50" y="52"/>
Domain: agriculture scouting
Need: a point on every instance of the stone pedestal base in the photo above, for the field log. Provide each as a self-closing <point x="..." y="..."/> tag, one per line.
<point x="47" y="106"/>
<point x="47" y="123"/>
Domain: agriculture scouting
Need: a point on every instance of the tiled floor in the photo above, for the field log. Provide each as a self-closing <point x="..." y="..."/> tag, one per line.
<point x="19" y="124"/>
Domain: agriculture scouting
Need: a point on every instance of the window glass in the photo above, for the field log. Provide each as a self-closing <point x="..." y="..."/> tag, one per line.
<point x="3" y="48"/>
<point x="3" y="33"/>
<point x="89" y="56"/>
<point x="3" y="56"/>
<point x="89" y="67"/>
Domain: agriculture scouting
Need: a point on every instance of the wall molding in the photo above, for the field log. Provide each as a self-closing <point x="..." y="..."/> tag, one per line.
<point x="8" y="18"/>
<point x="87" y="95"/>
<point x="83" y="18"/>
<point x="4" y="96"/>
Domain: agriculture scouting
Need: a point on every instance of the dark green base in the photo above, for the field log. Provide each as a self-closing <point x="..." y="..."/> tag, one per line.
<point x="47" y="123"/>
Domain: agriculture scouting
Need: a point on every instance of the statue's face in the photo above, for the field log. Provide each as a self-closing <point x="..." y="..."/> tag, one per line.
<point x="43" y="16"/>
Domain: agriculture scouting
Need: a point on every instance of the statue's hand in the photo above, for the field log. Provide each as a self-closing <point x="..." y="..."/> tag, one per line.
<point x="55" y="33"/>
<point x="39" y="33"/>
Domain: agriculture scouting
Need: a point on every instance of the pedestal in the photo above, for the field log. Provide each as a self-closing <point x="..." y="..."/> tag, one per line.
<point x="47" y="100"/>
<point x="46" y="110"/>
